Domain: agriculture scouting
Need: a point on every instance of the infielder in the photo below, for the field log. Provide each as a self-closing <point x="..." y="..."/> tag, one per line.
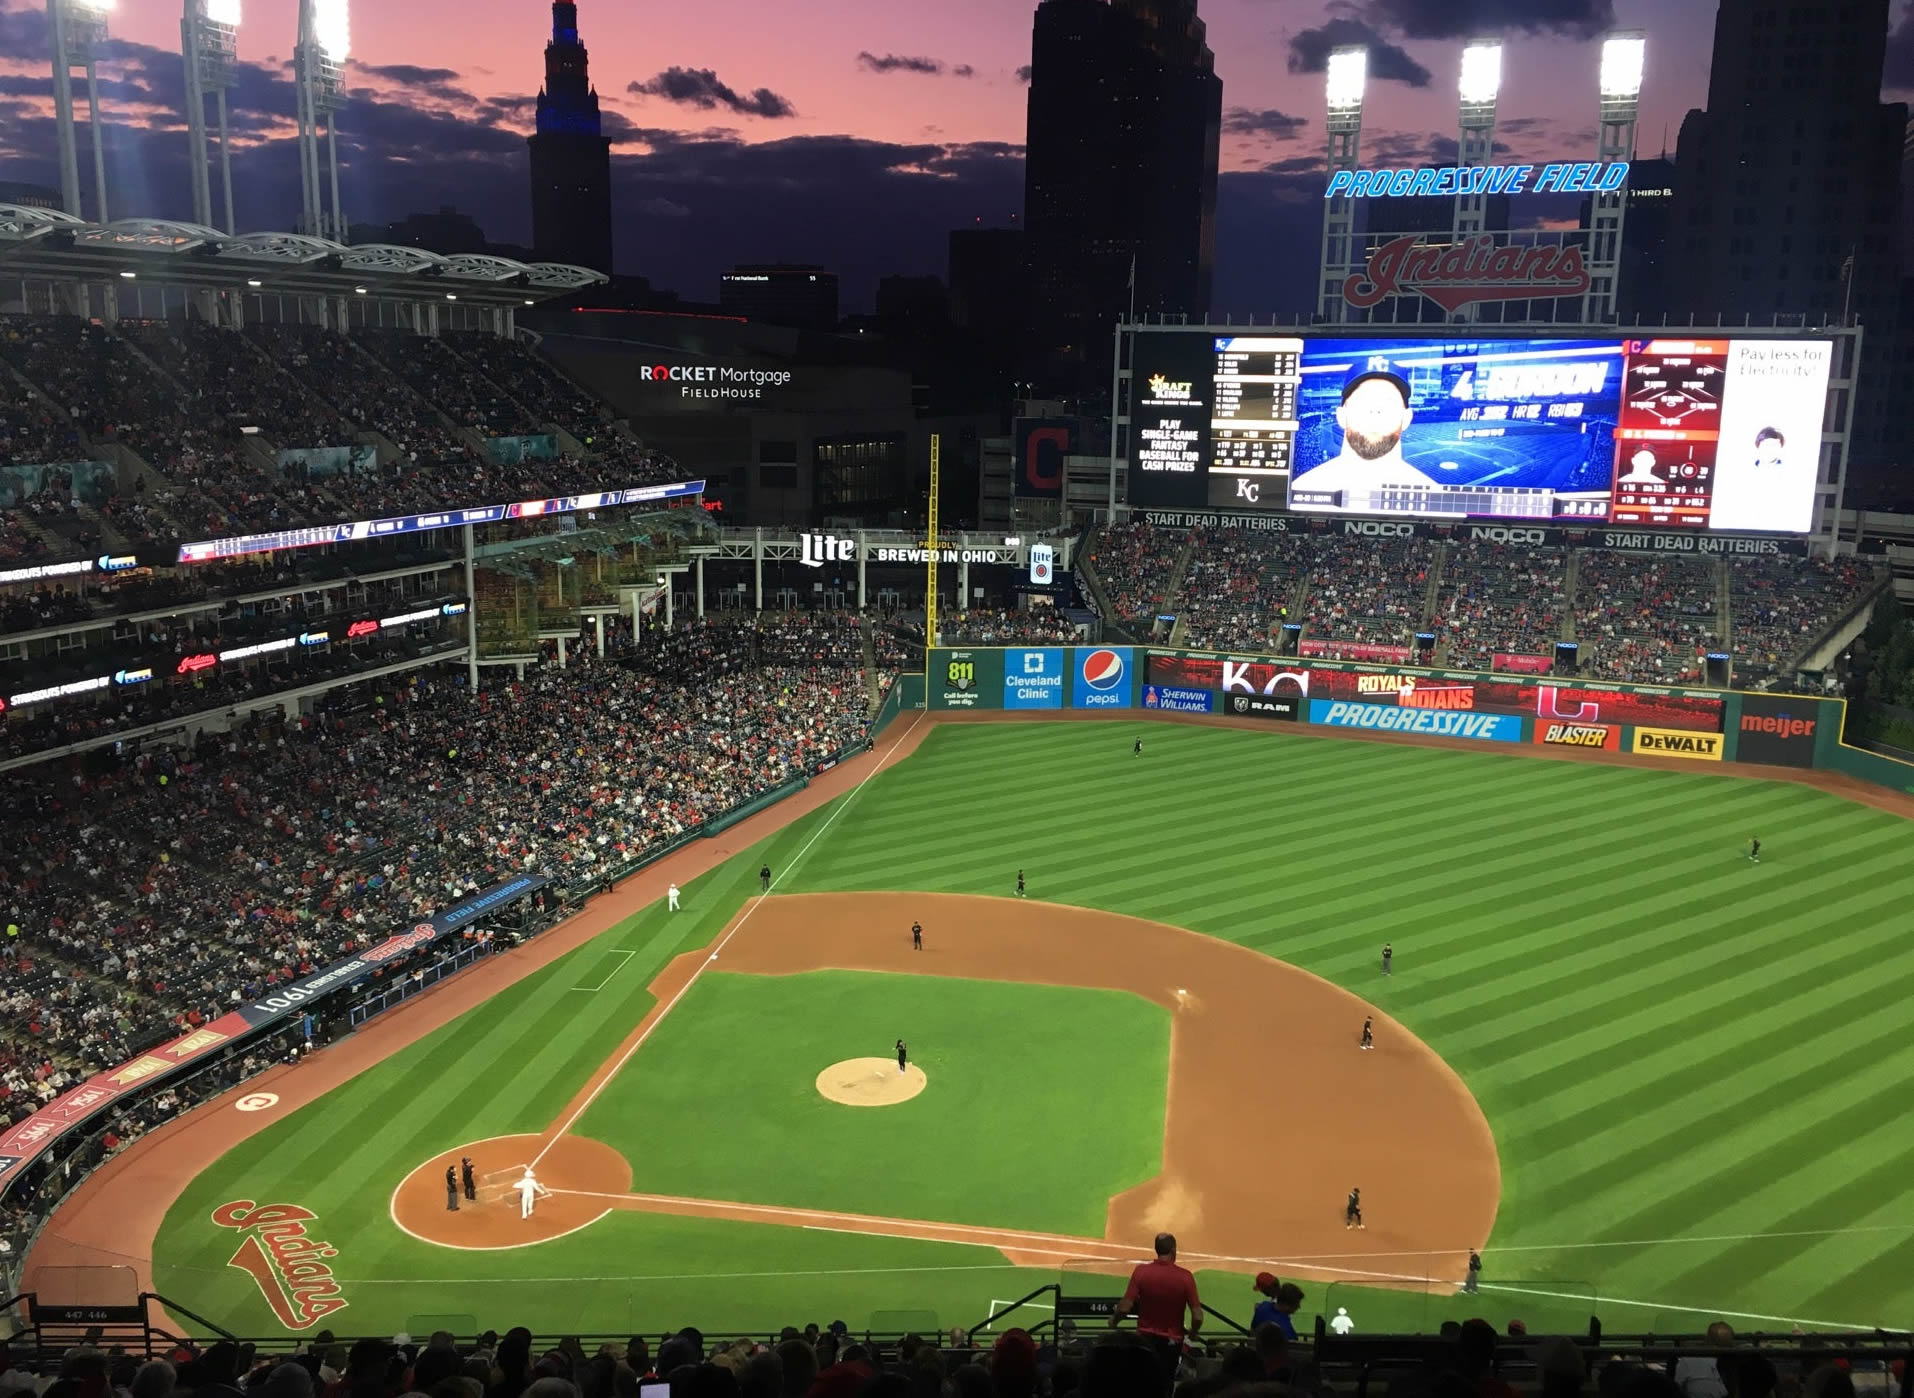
<point x="528" y="1189"/>
<point x="671" y="898"/>
<point x="1369" y="1033"/>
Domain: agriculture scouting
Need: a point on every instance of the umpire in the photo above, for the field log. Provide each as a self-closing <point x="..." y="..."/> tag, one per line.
<point x="467" y="1178"/>
<point x="764" y="879"/>
<point x="452" y="1188"/>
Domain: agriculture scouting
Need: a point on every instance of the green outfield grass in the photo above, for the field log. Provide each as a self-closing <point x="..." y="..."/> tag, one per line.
<point x="1694" y="1066"/>
<point x="1000" y="1138"/>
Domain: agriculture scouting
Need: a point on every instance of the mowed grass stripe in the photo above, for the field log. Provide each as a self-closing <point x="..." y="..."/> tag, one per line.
<point x="1667" y="1039"/>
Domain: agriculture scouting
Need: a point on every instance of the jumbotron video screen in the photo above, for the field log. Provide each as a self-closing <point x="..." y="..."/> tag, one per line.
<point x="1720" y="434"/>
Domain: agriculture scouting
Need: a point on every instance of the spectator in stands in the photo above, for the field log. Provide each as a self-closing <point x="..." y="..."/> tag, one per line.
<point x="1160" y="1295"/>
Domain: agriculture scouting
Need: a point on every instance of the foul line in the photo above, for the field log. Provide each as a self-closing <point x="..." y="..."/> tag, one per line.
<point x="1599" y="1300"/>
<point x="736" y="927"/>
<point x="609" y="974"/>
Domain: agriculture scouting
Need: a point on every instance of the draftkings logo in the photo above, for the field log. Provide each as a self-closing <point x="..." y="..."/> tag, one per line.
<point x="1163" y="390"/>
<point x="292" y="1268"/>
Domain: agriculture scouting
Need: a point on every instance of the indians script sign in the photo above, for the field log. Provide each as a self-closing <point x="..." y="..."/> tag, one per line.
<point x="1460" y="274"/>
<point x="292" y="1268"/>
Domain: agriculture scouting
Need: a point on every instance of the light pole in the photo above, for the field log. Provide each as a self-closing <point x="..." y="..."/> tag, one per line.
<point x="319" y="60"/>
<point x="209" y="41"/>
<point x="1347" y="74"/>
<point x="1624" y="55"/>
<point x="1481" y="80"/>
<point x="78" y="26"/>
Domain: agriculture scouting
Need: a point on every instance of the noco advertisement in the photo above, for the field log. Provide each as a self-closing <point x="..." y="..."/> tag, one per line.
<point x="1679" y="434"/>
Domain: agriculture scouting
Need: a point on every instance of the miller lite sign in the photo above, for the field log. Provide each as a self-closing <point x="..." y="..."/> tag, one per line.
<point x="1463" y="273"/>
<point x="815" y="550"/>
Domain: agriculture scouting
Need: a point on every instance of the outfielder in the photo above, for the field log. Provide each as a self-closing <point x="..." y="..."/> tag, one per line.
<point x="528" y="1189"/>
<point x="671" y="898"/>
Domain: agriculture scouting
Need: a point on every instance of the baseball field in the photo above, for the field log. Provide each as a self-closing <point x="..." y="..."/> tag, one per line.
<point x="1650" y="1078"/>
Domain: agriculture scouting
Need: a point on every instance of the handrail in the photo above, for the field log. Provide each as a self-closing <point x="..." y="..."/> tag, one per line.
<point x="174" y="1308"/>
<point x="1052" y="1289"/>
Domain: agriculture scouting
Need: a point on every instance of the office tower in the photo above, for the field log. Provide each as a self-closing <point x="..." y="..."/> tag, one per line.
<point x="571" y="157"/>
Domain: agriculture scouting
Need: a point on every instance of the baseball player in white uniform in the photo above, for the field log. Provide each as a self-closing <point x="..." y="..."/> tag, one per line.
<point x="671" y="897"/>
<point x="528" y="1189"/>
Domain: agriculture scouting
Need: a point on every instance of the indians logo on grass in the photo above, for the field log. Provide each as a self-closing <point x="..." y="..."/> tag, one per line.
<point x="401" y="944"/>
<point x="291" y="1267"/>
<point x="1102" y="670"/>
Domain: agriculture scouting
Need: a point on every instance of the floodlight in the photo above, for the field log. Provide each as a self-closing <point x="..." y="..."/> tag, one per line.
<point x="332" y="28"/>
<point x="94" y="7"/>
<point x="1348" y="72"/>
<point x="1481" y="72"/>
<point x="1623" y="57"/>
<point x="222" y="12"/>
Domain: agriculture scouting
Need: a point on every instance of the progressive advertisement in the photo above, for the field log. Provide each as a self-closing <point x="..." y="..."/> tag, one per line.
<point x="1380" y="718"/>
<point x="1674" y="434"/>
<point x="1547" y="703"/>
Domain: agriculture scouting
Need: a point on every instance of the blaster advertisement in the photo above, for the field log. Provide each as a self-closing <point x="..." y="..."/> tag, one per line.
<point x="1606" y="736"/>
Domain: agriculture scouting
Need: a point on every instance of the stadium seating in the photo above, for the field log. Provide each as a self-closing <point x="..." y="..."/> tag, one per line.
<point x="221" y="868"/>
<point x="1643" y="617"/>
<point x="1496" y="598"/>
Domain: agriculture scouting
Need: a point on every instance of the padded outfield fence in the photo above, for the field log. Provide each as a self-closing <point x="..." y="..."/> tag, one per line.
<point x="1685" y="723"/>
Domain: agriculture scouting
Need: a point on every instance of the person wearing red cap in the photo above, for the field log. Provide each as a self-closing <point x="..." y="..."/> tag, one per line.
<point x="1278" y="1306"/>
<point x="1158" y="1295"/>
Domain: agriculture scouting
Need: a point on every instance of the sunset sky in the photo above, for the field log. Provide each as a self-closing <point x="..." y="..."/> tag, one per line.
<point x="792" y="131"/>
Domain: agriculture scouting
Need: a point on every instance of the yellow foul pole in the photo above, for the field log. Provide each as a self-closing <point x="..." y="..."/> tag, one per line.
<point x="930" y="556"/>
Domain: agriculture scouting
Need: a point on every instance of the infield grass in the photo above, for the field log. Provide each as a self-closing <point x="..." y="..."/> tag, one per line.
<point x="1695" y="1066"/>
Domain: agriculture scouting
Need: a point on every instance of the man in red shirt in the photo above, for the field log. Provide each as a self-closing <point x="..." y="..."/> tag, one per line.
<point x="1158" y="1294"/>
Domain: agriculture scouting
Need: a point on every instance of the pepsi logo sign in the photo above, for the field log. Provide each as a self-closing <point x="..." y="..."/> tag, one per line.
<point x="1103" y="677"/>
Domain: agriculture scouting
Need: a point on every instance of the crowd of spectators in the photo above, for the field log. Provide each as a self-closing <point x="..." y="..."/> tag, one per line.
<point x="550" y="397"/>
<point x="1645" y="617"/>
<point x="1239" y="586"/>
<point x="177" y="882"/>
<point x="449" y="381"/>
<point x="207" y="409"/>
<point x="1133" y="562"/>
<point x="1497" y="598"/>
<point x="1006" y="626"/>
<point x="1470" y="1357"/>
<point x="1779" y="606"/>
<point x="1371" y="591"/>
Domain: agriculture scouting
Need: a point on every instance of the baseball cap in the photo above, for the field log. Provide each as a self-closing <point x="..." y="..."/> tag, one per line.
<point x="1267" y="1282"/>
<point x="1377" y="366"/>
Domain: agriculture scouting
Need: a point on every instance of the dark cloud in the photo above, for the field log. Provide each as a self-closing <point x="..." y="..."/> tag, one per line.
<point x="901" y="63"/>
<point x="1277" y="126"/>
<point x="1461" y="19"/>
<point x="405" y="74"/>
<point x="1897" y="74"/>
<point x="963" y="70"/>
<point x="700" y="88"/>
<point x="1023" y="73"/>
<point x="1309" y="52"/>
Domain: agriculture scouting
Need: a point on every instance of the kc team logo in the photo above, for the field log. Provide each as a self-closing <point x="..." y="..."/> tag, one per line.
<point x="292" y="1268"/>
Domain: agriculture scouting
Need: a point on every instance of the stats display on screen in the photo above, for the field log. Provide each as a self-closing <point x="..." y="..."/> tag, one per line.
<point x="1721" y="434"/>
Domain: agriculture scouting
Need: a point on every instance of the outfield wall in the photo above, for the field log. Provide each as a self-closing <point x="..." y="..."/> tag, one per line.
<point x="1682" y="724"/>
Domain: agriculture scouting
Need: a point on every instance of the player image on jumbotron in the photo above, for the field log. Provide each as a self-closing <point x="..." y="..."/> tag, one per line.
<point x="1481" y="429"/>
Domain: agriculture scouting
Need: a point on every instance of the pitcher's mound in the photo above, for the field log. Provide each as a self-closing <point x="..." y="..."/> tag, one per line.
<point x="871" y="1082"/>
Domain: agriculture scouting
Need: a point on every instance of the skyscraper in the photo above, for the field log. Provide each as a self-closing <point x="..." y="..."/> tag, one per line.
<point x="1120" y="166"/>
<point x="1787" y="191"/>
<point x="1787" y="187"/>
<point x="571" y="157"/>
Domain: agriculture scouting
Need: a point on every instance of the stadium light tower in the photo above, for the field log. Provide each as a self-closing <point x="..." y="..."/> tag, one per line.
<point x="1480" y="82"/>
<point x="319" y="60"/>
<point x="1624" y="58"/>
<point x="209" y="41"/>
<point x="78" y="27"/>
<point x="1347" y="74"/>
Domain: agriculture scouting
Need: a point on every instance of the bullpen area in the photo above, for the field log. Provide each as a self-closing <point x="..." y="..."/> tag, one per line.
<point x="1650" y="1078"/>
